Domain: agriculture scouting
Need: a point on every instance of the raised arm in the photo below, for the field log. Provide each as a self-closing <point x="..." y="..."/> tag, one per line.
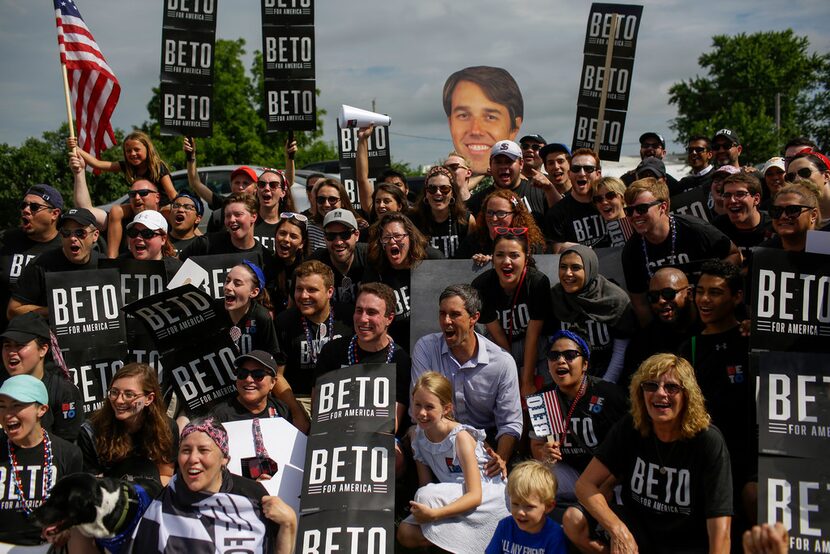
<point x="193" y="180"/>
<point x="364" y="185"/>
<point x="92" y="161"/>
<point x="290" y="170"/>
<point x="80" y="191"/>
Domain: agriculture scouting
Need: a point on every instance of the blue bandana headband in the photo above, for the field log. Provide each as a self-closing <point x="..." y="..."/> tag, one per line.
<point x="565" y="334"/>
<point x="257" y="271"/>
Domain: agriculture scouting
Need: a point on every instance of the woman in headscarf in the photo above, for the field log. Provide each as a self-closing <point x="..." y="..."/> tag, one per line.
<point x="588" y="303"/>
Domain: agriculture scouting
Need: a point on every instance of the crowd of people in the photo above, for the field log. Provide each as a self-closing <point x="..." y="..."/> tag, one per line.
<point x="658" y="447"/>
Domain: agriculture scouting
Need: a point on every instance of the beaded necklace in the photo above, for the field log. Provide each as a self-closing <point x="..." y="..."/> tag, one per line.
<point x="579" y="394"/>
<point x="673" y="231"/>
<point x="28" y="505"/>
<point x="390" y="352"/>
<point x="328" y="332"/>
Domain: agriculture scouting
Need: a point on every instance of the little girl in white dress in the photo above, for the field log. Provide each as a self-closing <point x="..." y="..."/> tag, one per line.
<point x="460" y="512"/>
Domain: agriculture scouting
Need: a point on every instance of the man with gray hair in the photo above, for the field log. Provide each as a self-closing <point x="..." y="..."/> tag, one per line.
<point x="484" y="377"/>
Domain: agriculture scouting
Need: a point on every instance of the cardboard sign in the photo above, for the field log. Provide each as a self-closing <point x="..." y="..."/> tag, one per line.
<point x="593" y="77"/>
<point x="599" y="27"/>
<point x="203" y="375"/>
<point x="794" y="404"/>
<point x="92" y="377"/>
<point x="791" y="301"/>
<point x="291" y="104"/>
<point x="585" y="130"/>
<point x="356" y="398"/>
<point x="347" y="470"/>
<point x="285" y="445"/>
<point x="191" y="14"/>
<point x="288" y="52"/>
<point x="796" y="492"/>
<point x="368" y="531"/>
<point x="187" y="56"/>
<point x="288" y="12"/>
<point x="692" y="202"/>
<point x="379" y="157"/>
<point x="218" y="266"/>
<point x="185" y="109"/>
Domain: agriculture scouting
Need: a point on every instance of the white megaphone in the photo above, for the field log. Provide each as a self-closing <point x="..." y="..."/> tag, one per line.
<point x="355" y="117"/>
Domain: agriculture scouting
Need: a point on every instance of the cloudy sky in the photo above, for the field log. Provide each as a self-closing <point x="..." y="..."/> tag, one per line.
<point x="399" y="53"/>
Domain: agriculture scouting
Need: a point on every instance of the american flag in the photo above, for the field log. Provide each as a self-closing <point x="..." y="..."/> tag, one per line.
<point x="557" y="423"/>
<point x="93" y="87"/>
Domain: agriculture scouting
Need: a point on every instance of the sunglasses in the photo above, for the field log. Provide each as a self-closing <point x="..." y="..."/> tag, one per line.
<point x="434" y="189"/>
<point x="454" y="167"/>
<point x="609" y="196"/>
<point x="696" y="149"/>
<point x="332" y="236"/>
<point x="498" y="214"/>
<point x="294" y="215"/>
<point x="588" y="169"/>
<point x="795" y="210"/>
<point x="721" y="146"/>
<point x="328" y="199"/>
<point x="185" y="207"/>
<point x="34" y="207"/>
<point x="653" y="386"/>
<point x="569" y="355"/>
<point x="272" y="184"/>
<point x="256" y="374"/>
<point x="804" y="173"/>
<point x="510" y="230"/>
<point x="668" y="294"/>
<point x="146" y="234"/>
<point x="78" y="233"/>
<point x="641" y="209"/>
<point x="141" y="192"/>
<point x="737" y="195"/>
<point x="535" y="146"/>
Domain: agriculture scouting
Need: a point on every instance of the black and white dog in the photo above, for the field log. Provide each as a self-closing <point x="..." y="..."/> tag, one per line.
<point x="100" y="507"/>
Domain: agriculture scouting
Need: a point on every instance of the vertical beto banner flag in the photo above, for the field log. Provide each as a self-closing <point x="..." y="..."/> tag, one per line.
<point x="379" y="157"/>
<point x="614" y="78"/>
<point x="188" y="40"/>
<point x="288" y="65"/>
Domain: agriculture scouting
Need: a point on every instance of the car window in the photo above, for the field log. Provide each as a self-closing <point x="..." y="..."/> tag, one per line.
<point x="218" y="181"/>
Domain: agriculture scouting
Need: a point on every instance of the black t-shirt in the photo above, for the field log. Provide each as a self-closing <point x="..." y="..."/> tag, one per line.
<point x="257" y="328"/>
<point x="573" y="221"/>
<point x="695" y="240"/>
<point x="17" y="250"/>
<point x="668" y="509"/>
<point x="655" y="338"/>
<point x="31" y="286"/>
<point x="163" y="171"/>
<point x="301" y="357"/>
<point x="335" y="355"/>
<point x="690" y="182"/>
<point x="630" y="176"/>
<point x="533" y="302"/>
<point x="533" y="198"/>
<point x="219" y="243"/>
<point x="721" y="363"/>
<point x="743" y="238"/>
<point x="137" y="464"/>
<point x="233" y="410"/>
<point x="345" y="286"/>
<point x="180" y="244"/>
<point x="66" y="407"/>
<point x="446" y="236"/>
<point x="600" y="407"/>
<point x="265" y="233"/>
<point x="15" y="525"/>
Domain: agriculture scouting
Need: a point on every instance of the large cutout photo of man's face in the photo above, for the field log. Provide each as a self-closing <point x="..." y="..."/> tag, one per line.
<point x="483" y="105"/>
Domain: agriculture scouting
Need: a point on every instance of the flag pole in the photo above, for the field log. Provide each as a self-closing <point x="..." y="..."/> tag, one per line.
<point x="68" y="99"/>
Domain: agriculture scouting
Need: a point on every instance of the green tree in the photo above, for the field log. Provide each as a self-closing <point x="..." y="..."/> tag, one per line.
<point x="239" y="134"/>
<point x="744" y="75"/>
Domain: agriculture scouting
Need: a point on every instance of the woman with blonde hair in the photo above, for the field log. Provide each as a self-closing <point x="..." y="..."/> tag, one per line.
<point x="608" y="195"/>
<point x="673" y="466"/>
<point x="794" y="211"/>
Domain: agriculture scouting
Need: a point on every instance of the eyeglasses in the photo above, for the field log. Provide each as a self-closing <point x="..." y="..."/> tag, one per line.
<point x="498" y="214"/>
<point x="650" y="145"/>
<point x="185" y="207"/>
<point x="510" y="230"/>
<point x="128" y="395"/>
<point x="256" y="374"/>
<point x="328" y="200"/>
<point x="454" y="167"/>
<point x="34" y="207"/>
<point x="433" y="189"/>
<point x="641" y="209"/>
<point x="804" y="173"/>
<point x="272" y="184"/>
<point x="535" y="146"/>
<point x="609" y="196"/>
<point x="140" y="192"/>
<point x="569" y="355"/>
<point x="696" y="149"/>
<point x="588" y="169"/>
<point x="737" y="195"/>
<point x="721" y="146"/>
<point x="146" y="234"/>
<point x="668" y="294"/>
<point x="397" y="237"/>
<point x="78" y="233"/>
<point x="653" y="386"/>
<point x="332" y="236"/>
<point x="794" y="210"/>
<point x="294" y="215"/>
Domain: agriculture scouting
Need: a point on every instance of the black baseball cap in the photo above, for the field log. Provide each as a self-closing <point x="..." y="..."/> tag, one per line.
<point x="652" y="134"/>
<point x="537" y="138"/>
<point x="261" y="357"/>
<point x="26" y="328"/>
<point x="728" y="133"/>
<point x="553" y="147"/>
<point x="80" y="215"/>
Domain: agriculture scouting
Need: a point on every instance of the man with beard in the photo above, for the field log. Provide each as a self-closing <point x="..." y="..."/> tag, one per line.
<point x="186" y="212"/>
<point x="699" y="157"/>
<point x="651" y="144"/>
<point x="557" y="160"/>
<point x="40" y="210"/>
<point x="675" y="319"/>
<point x="575" y="220"/>
<point x="344" y="255"/>
<point x="78" y="235"/>
<point x="726" y="147"/>
<point x="484" y="377"/>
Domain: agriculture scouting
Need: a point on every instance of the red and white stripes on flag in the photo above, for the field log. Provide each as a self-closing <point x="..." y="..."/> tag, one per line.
<point x="557" y="423"/>
<point x="93" y="87"/>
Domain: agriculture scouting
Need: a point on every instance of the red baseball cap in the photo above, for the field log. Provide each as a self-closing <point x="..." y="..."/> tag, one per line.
<point x="246" y="170"/>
